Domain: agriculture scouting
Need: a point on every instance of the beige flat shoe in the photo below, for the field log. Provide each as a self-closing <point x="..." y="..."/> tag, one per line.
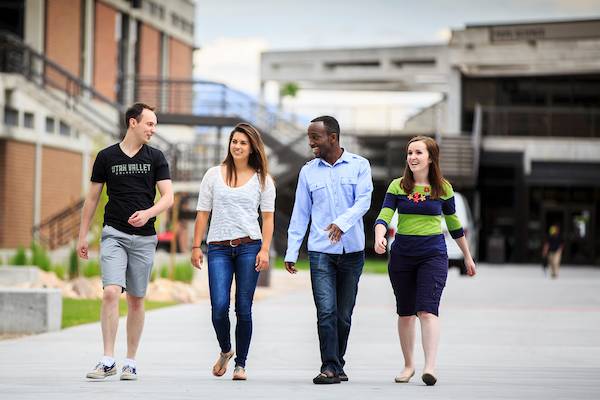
<point x="220" y="366"/>
<point x="239" y="374"/>
<point x="404" y="379"/>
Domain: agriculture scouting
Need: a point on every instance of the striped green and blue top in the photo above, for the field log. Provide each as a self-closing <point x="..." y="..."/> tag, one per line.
<point x="419" y="230"/>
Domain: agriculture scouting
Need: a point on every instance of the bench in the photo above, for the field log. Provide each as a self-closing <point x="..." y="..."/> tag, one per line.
<point x="27" y="311"/>
<point x="17" y="275"/>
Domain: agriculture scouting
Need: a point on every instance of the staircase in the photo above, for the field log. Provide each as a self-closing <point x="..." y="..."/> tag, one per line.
<point x="457" y="160"/>
<point x="60" y="229"/>
<point x="205" y="103"/>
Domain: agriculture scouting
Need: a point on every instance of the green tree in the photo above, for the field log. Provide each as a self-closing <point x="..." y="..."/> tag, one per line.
<point x="288" y="89"/>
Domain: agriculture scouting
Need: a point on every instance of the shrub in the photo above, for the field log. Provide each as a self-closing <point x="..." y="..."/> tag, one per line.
<point x="59" y="270"/>
<point x="91" y="268"/>
<point x="73" y="264"/>
<point x="39" y="257"/>
<point x="19" y="258"/>
<point x="184" y="272"/>
<point x="164" y="272"/>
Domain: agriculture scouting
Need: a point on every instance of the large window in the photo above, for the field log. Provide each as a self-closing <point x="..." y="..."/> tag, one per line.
<point x="535" y="106"/>
<point x="12" y="14"/>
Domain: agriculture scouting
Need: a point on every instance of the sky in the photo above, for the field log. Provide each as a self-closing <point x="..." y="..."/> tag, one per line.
<point x="232" y="33"/>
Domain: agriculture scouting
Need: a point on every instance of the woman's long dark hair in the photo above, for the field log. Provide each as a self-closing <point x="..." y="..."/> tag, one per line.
<point x="258" y="158"/>
<point x="436" y="179"/>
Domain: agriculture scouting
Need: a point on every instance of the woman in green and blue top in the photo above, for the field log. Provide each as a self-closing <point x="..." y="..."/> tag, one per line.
<point x="418" y="264"/>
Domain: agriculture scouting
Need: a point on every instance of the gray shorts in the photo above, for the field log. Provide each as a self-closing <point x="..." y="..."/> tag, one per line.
<point x="126" y="260"/>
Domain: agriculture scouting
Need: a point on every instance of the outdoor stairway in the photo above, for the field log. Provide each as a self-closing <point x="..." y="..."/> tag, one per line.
<point x="457" y="160"/>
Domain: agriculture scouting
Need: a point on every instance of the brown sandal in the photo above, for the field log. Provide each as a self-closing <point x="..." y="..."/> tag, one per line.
<point x="220" y="366"/>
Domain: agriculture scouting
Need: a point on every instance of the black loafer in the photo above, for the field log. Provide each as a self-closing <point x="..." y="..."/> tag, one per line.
<point x="343" y="377"/>
<point x="324" y="379"/>
<point x="429" y="379"/>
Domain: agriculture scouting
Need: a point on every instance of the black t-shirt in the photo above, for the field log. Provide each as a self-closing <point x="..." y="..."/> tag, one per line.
<point x="130" y="184"/>
<point x="554" y="242"/>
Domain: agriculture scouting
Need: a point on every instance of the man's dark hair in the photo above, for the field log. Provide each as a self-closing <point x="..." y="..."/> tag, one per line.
<point x="135" y="111"/>
<point x="331" y="124"/>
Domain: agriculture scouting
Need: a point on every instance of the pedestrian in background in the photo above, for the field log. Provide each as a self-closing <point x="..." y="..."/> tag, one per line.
<point x="552" y="250"/>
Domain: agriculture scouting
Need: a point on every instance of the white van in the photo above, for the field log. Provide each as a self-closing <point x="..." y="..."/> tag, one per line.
<point x="455" y="256"/>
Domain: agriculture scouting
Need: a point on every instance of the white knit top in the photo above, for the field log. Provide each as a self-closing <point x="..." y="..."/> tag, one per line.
<point x="234" y="210"/>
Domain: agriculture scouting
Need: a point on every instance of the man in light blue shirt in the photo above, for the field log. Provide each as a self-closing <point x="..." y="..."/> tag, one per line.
<point x="333" y="193"/>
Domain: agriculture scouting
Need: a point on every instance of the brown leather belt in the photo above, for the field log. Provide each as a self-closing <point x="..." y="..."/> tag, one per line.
<point x="235" y="242"/>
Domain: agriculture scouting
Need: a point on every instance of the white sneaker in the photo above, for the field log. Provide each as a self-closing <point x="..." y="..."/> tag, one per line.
<point x="101" y="371"/>
<point x="128" y="373"/>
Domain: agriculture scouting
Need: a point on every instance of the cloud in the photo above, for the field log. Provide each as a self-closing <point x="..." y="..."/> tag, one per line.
<point x="444" y="35"/>
<point x="233" y="61"/>
<point x="577" y="5"/>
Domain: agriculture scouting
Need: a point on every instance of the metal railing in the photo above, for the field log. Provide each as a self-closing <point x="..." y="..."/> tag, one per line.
<point x="285" y="140"/>
<point x="476" y="140"/>
<point x="61" y="228"/>
<point x="18" y="58"/>
<point x="540" y="121"/>
<point x="183" y="97"/>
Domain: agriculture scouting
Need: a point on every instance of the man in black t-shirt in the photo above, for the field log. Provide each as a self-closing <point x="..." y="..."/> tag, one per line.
<point x="131" y="171"/>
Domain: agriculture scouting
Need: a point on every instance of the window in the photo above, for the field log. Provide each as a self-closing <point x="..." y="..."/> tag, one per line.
<point x="65" y="129"/>
<point x="28" y="120"/>
<point x="11" y="116"/>
<point x="175" y="20"/>
<point x="50" y="125"/>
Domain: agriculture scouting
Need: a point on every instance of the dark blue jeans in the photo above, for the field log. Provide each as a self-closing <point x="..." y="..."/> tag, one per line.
<point x="334" y="280"/>
<point x="223" y="263"/>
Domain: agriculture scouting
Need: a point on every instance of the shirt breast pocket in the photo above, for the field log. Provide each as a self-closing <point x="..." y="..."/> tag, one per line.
<point x="348" y="184"/>
<point x="318" y="192"/>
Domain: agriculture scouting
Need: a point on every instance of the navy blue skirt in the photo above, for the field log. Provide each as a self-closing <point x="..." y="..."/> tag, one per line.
<point x="418" y="282"/>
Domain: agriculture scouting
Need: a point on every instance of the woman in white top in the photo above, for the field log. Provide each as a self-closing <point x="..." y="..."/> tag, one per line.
<point x="232" y="193"/>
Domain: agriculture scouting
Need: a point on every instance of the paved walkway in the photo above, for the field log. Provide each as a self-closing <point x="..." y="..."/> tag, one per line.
<point x="508" y="334"/>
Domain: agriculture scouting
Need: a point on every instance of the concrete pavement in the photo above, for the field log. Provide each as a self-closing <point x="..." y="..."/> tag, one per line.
<point x="507" y="334"/>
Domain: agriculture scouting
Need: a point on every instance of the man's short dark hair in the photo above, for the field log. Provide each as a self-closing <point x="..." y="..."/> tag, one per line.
<point x="135" y="111"/>
<point x="330" y="123"/>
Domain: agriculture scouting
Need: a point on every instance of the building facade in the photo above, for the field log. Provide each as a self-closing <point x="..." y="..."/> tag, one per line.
<point x="67" y="67"/>
<point x="536" y="136"/>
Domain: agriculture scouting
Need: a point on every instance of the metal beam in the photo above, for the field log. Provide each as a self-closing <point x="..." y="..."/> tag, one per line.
<point x="198" y="120"/>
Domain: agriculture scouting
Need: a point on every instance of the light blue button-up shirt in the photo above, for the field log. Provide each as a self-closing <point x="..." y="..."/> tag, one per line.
<point x="326" y="194"/>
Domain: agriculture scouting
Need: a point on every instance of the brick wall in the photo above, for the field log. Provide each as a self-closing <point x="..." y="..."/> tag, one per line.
<point x="180" y="60"/>
<point x="17" y="171"/>
<point x="105" y="51"/>
<point x="3" y="209"/>
<point x="63" y="37"/>
<point x="149" y="60"/>
<point x="61" y="180"/>
<point x="61" y="187"/>
<point x="149" y="51"/>
<point x="180" y="67"/>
